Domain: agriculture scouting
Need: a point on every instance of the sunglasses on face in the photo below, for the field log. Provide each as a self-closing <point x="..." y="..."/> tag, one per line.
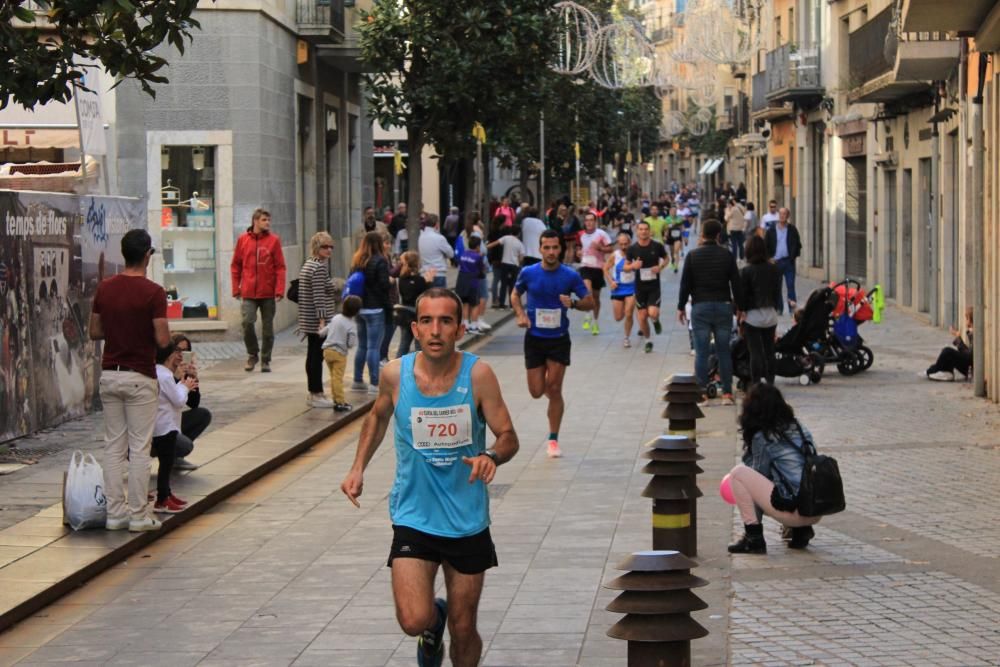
<point x="326" y="247"/>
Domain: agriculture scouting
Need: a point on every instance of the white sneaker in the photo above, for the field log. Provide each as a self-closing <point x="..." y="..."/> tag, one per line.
<point x="942" y="376"/>
<point x="372" y="389"/>
<point x="359" y="386"/>
<point x="319" y="401"/>
<point x="472" y="329"/>
<point x="144" y="525"/>
<point x="482" y="326"/>
<point x="112" y="523"/>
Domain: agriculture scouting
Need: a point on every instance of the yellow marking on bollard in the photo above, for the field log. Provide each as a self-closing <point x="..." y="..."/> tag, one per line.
<point x="671" y="520"/>
<point x="689" y="434"/>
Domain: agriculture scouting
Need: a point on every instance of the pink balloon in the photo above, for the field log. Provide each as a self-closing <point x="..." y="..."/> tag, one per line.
<point x="726" y="490"/>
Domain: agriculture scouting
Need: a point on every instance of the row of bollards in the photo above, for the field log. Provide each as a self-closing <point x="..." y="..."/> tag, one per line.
<point x="656" y="598"/>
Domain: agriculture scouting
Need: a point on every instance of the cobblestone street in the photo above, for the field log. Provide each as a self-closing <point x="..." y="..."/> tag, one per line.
<point x="288" y="572"/>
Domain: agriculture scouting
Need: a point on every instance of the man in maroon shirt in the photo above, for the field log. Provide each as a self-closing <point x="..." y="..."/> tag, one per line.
<point x="129" y="314"/>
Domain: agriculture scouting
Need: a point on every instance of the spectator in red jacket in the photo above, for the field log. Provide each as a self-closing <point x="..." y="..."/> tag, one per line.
<point x="258" y="275"/>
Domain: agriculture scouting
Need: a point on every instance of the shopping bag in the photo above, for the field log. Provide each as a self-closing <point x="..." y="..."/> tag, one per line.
<point x="84" y="504"/>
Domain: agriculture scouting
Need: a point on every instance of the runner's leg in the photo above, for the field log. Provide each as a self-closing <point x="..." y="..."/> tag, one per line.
<point x="413" y="593"/>
<point x="536" y="381"/>
<point x="554" y="373"/>
<point x="597" y="300"/>
<point x="464" y="591"/>
<point x="629" y="310"/>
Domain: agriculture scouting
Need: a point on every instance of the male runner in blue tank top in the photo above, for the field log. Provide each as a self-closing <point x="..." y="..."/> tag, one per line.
<point x="441" y="400"/>
<point x="548" y="288"/>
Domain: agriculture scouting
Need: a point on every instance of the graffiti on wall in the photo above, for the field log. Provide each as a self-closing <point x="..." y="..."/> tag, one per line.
<point x="54" y="250"/>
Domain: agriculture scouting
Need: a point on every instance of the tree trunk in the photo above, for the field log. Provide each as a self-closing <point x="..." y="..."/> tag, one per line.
<point x="415" y="146"/>
<point x="522" y="182"/>
<point x="469" y="205"/>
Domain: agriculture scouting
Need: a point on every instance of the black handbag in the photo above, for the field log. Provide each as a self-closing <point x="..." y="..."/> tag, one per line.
<point x="821" y="490"/>
<point x="293" y="291"/>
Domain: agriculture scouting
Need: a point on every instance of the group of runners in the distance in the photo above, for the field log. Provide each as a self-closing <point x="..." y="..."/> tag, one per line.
<point x="442" y="399"/>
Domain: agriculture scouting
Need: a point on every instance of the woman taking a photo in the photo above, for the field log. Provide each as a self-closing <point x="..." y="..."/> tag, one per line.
<point x="370" y="259"/>
<point x="771" y="471"/>
<point x="760" y="300"/>
<point x="316" y="308"/>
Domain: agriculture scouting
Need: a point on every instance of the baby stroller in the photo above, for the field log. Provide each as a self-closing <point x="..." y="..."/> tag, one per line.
<point x="843" y="344"/>
<point x="792" y="358"/>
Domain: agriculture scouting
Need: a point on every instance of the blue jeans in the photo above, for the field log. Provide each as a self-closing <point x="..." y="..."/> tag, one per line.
<point x="371" y="328"/>
<point x="708" y="319"/>
<point x="736" y="241"/>
<point x="440" y="280"/>
<point x="786" y="266"/>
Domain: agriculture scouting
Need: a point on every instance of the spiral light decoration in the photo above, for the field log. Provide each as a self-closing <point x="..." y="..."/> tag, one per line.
<point x="576" y="40"/>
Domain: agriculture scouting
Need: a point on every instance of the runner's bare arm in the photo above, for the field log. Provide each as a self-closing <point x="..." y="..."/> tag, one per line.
<point x="486" y="388"/>
<point x="372" y="432"/>
<point x="586" y="303"/>
<point x="515" y="303"/>
<point x="608" y="264"/>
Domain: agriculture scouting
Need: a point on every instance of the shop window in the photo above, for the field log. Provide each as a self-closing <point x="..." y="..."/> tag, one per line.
<point x="187" y="221"/>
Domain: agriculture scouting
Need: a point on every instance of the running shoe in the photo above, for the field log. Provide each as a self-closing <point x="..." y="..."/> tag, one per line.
<point x="727" y="399"/>
<point x="626" y="343"/>
<point x="482" y="326"/>
<point x="648" y="347"/>
<point x="430" y="645"/>
<point x="552" y="449"/>
<point x="657" y="327"/>
<point x="595" y="330"/>
<point x="586" y="323"/>
<point x="673" y="267"/>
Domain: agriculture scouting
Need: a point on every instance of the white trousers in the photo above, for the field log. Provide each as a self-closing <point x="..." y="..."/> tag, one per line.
<point x="129" y="415"/>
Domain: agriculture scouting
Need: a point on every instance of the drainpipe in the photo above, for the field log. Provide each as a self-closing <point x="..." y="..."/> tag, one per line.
<point x="932" y="222"/>
<point x="978" y="288"/>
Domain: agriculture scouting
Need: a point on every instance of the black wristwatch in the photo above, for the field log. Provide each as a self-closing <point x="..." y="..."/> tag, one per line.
<point x="493" y="456"/>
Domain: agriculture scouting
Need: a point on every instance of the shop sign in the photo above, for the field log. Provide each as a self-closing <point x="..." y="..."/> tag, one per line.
<point x="853" y="145"/>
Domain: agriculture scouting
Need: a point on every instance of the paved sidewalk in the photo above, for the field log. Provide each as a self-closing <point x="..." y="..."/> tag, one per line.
<point x="287" y="571"/>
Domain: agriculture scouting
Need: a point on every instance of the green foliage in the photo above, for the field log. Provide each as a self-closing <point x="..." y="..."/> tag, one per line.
<point x="441" y="66"/>
<point x="44" y="55"/>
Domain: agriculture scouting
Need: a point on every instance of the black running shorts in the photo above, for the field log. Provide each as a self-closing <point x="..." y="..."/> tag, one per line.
<point x="647" y="294"/>
<point x="468" y="555"/>
<point x="594" y="275"/>
<point x="538" y="350"/>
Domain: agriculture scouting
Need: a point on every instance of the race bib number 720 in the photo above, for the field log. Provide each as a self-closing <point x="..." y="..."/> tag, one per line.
<point x="441" y="428"/>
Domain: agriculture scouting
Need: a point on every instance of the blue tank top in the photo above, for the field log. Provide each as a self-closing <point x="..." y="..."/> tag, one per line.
<point x="626" y="287"/>
<point x="431" y="492"/>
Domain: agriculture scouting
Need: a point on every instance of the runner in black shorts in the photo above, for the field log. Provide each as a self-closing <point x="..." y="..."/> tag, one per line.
<point x="542" y="295"/>
<point x="468" y="555"/>
<point x="647" y="288"/>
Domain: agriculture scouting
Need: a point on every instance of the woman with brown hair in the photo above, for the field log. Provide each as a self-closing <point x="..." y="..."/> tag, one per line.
<point x="371" y="261"/>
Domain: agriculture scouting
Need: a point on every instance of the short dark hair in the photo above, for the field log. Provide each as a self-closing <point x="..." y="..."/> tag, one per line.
<point x="135" y="244"/>
<point x="756" y="250"/>
<point x="475" y="242"/>
<point x="548" y="234"/>
<point x="711" y="229"/>
<point x="441" y="293"/>
<point x="351" y="306"/>
<point x="163" y="353"/>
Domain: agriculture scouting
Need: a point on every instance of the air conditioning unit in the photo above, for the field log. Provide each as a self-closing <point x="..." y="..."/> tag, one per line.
<point x="886" y="158"/>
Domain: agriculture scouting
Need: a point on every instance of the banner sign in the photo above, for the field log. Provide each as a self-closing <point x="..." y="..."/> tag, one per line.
<point x="54" y="250"/>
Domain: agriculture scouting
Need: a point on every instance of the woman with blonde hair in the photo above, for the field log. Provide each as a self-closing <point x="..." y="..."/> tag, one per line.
<point x="370" y="259"/>
<point x="316" y="309"/>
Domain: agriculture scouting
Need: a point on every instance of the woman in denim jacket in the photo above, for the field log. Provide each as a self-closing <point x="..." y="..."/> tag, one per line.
<point x="768" y="479"/>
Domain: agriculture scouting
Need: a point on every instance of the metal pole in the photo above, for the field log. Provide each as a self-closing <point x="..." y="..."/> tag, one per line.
<point x="978" y="232"/>
<point x="932" y="222"/>
<point x="541" y="173"/>
<point x="576" y="181"/>
<point x="479" y="180"/>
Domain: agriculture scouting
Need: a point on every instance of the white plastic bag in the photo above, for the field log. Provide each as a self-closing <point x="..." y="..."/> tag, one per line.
<point x="84" y="504"/>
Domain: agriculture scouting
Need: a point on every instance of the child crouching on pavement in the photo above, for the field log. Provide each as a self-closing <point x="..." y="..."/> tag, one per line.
<point x="172" y="399"/>
<point x="341" y="335"/>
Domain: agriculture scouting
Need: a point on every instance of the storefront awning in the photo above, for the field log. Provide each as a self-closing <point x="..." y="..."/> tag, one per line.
<point x="713" y="166"/>
<point x="51" y="125"/>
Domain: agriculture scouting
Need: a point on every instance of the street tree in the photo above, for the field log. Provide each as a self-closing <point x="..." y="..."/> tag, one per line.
<point x="440" y="66"/>
<point x="47" y="45"/>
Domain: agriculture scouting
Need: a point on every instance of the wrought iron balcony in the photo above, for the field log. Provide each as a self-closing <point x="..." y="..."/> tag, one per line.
<point x="758" y="91"/>
<point x="898" y="69"/>
<point x="867" y="49"/>
<point x="793" y="75"/>
<point x="320" y="21"/>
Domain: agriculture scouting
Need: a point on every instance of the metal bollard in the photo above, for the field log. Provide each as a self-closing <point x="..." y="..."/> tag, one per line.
<point x="674" y="490"/>
<point x="657" y="603"/>
<point x="682" y="411"/>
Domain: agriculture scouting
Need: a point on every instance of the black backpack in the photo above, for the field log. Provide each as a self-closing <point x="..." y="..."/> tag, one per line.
<point x="821" y="490"/>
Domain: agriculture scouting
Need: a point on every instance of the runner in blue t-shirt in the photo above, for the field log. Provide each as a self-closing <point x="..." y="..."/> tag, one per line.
<point x="547" y="290"/>
<point x="442" y="400"/>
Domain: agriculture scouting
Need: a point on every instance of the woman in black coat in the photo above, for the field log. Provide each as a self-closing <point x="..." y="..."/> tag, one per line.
<point x="759" y="301"/>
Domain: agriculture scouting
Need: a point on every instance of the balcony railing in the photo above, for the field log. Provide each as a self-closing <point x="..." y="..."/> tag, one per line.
<point x="792" y="71"/>
<point x="321" y="21"/>
<point x="661" y="35"/>
<point x="758" y="91"/>
<point x="867" y="49"/>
